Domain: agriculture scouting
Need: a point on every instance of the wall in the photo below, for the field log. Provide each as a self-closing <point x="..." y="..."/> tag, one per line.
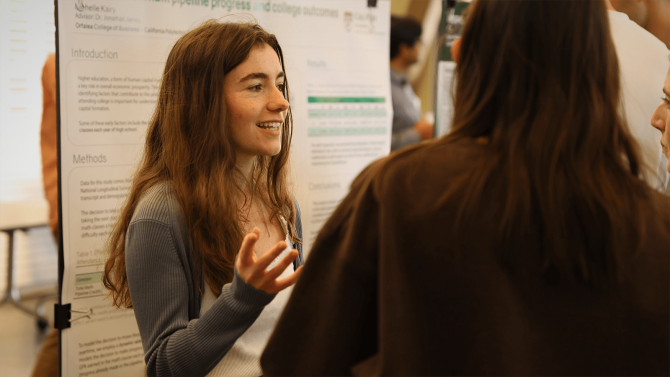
<point x="26" y="37"/>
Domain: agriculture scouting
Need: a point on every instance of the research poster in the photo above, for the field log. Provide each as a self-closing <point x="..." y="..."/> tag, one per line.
<point x="111" y="55"/>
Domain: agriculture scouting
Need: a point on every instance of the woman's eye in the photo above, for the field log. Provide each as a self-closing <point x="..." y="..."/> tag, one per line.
<point x="255" y="88"/>
<point x="281" y="87"/>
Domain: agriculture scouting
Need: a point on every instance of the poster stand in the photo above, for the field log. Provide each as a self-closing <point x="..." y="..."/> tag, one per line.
<point x="61" y="311"/>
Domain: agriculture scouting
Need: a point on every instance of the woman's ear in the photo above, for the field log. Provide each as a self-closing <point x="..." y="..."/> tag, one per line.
<point x="456" y="50"/>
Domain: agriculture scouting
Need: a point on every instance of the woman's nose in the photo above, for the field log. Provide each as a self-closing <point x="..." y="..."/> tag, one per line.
<point x="278" y="102"/>
<point x="657" y="119"/>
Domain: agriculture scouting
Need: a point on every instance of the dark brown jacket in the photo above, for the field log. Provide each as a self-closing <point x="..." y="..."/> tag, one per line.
<point x="384" y="293"/>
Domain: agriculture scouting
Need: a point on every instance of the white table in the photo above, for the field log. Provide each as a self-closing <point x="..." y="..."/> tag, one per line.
<point x="20" y="215"/>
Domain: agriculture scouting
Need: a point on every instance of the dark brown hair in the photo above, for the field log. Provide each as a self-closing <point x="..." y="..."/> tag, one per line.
<point x="188" y="145"/>
<point x="404" y="30"/>
<point x="540" y="81"/>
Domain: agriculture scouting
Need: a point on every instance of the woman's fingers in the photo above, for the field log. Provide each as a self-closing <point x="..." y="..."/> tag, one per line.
<point x="246" y="256"/>
<point x="253" y="270"/>
<point x="270" y="255"/>
<point x="282" y="284"/>
<point x="279" y="268"/>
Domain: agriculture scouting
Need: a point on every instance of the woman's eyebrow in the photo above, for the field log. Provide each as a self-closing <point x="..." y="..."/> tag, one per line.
<point x="259" y="75"/>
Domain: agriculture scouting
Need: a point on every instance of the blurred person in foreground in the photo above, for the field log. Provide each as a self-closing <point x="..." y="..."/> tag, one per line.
<point x="661" y="119"/>
<point x="643" y="63"/>
<point x="409" y="126"/>
<point x="523" y="243"/>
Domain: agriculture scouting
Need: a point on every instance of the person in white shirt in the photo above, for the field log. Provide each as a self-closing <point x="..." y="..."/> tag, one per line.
<point x="661" y="119"/>
<point x="643" y="62"/>
<point x="653" y="15"/>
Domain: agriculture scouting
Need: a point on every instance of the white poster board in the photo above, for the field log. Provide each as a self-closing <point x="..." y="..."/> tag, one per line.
<point x="26" y="39"/>
<point x="444" y="101"/>
<point x="111" y="55"/>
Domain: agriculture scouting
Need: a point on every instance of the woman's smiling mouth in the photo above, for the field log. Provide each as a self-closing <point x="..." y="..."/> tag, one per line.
<point x="273" y="126"/>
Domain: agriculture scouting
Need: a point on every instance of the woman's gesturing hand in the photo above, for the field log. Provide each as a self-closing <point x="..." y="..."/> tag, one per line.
<point x="253" y="269"/>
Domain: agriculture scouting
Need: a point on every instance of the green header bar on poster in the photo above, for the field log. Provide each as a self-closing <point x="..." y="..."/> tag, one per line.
<point x="346" y="99"/>
<point x="346" y="113"/>
<point x="347" y="131"/>
<point x="84" y="279"/>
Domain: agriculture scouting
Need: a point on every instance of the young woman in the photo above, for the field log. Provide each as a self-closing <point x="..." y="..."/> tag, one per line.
<point x="214" y="168"/>
<point x="523" y="243"/>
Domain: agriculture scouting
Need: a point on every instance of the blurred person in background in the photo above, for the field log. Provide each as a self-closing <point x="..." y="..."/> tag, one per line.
<point x="409" y="126"/>
<point x="653" y="15"/>
<point x="47" y="362"/>
<point x="49" y="141"/>
<point x="522" y="243"/>
<point x="643" y="64"/>
<point x="661" y="119"/>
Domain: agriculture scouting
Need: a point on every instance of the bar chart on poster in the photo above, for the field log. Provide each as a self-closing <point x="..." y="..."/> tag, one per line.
<point x="111" y="55"/>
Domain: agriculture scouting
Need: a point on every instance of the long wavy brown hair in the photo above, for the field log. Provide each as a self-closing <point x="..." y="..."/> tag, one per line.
<point x="539" y="82"/>
<point x="188" y="145"/>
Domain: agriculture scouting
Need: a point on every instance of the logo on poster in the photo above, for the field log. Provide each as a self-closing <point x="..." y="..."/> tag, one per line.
<point x="348" y="20"/>
<point x="361" y="23"/>
<point x="79" y="5"/>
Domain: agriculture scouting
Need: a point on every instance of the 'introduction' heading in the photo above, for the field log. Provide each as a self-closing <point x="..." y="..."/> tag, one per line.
<point x="93" y="54"/>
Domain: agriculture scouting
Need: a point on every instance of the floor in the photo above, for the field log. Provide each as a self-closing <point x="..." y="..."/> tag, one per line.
<point x="34" y="274"/>
<point x="20" y="338"/>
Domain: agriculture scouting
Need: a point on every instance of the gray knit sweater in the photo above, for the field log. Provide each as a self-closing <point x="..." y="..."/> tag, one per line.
<point x="159" y="262"/>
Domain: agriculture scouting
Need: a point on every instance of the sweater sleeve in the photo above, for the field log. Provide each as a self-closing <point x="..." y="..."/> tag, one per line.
<point x="159" y="288"/>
